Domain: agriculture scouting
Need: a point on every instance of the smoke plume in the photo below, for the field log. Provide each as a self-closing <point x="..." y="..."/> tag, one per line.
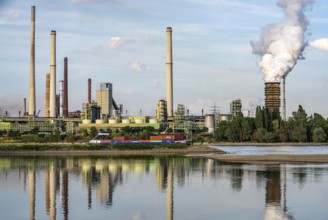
<point x="281" y="45"/>
<point x="321" y="44"/>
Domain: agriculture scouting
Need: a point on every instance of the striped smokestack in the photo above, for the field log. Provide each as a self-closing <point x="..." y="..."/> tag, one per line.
<point x="65" y="88"/>
<point x="47" y="101"/>
<point x="52" y="74"/>
<point x="32" y="65"/>
<point x="169" y="72"/>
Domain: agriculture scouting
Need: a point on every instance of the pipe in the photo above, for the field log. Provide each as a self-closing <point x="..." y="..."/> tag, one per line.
<point x="32" y="65"/>
<point x="169" y="72"/>
<point x="53" y="74"/>
<point x="61" y="98"/>
<point x="24" y="107"/>
<point x="89" y="90"/>
<point x="65" y="88"/>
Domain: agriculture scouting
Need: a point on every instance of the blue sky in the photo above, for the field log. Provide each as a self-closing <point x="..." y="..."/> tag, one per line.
<point x="124" y="42"/>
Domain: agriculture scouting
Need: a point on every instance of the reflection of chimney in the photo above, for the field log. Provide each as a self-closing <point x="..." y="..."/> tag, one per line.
<point x="31" y="183"/>
<point x="32" y="65"/>
<point x="52" y="194"/>
<point x="47" y="101"/>
<point x="89" y="90"/>
<point x="169" y="72"/>
<point x="65" y="195"/>
<point x="272" y="95"/>
<point x="65" y="88"/>
<point x="47" y="191"/>
<point x="169" y="194"/>
<point x="53" y="74"/>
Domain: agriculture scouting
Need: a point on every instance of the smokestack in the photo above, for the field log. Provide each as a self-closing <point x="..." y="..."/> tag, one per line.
<point x="89" y="90"/>
<point x="24" y="107"/>
<point x="169" y="72"/>
<point x="284" y="98"/>
<point x="65" y="88"/>
<point x="32" y="65"/>
<point x="53" y="74"/>
<point x="47" y="101"/>
<point x="61" y="98"/>
<point x="272" y="95"/>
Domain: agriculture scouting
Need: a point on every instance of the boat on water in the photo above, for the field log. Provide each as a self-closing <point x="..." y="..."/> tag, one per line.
<point x="101" y="138"/>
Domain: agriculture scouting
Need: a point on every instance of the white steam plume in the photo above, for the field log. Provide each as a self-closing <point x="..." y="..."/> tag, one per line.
<point x="281" y="45"/>
<point x="321" y="44"/>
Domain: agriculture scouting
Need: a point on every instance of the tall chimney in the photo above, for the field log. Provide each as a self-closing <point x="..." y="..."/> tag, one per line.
<point x="89" y="90"/>
<point x="284" y="98"/>
<point x="272" y="95"/>
<point x="32" y="65"/>
<point x="169" y="72"/>
<point x="65" y="88"/>
<point x="47" y="101"/>
<point x="61" y="98"/>
<point x="53" y="74"/>
<point x="24" y="107"/>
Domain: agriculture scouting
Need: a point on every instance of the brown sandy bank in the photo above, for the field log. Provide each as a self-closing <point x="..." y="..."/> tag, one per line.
<point x="190" y="150"/>
<point x="270" y="159"/>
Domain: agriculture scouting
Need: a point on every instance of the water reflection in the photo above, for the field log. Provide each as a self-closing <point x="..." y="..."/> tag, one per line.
<point x="103" y="179"/>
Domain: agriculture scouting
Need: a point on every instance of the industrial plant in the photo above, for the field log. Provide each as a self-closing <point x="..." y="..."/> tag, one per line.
<point x="104" y="112"/>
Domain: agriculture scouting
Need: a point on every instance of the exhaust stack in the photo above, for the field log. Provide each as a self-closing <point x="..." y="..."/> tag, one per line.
<point x="47" y="101"/>
<point x="89" y="90"/>
<point x="284" y="98"/>
<point x="31" y="111"/>
<point x="65" y="88"/>
<point x="169" y="72"/>
<point x="53" y="74"/>
<point x="61" y="98"/>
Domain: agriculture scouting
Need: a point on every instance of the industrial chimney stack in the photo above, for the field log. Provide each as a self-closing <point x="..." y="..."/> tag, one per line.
<point x="89" y="90"/>
<point x="284" y="98"/>
<point x="169" y="72"/>
<point x="31" y="111"/>
<point x="53" y="74"/>
<point x="65" y="88"/>
<point x="47" y="100"/>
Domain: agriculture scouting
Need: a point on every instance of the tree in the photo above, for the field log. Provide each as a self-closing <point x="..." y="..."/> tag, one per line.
<point x="319" y="135"/>
<point x="93" y="132"/>
<point x="259" y="118"/>
<point x="220" y="133"/>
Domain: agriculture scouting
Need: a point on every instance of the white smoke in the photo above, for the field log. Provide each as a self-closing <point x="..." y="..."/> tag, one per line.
<point x="281" y="45"/>
<point x="321" y="44"/>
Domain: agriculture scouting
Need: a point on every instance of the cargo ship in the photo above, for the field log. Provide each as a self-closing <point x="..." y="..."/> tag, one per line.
<point x="157" y="139"/>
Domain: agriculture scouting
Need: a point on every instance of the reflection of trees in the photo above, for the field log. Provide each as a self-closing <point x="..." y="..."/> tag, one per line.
<point x="236" y="177"/>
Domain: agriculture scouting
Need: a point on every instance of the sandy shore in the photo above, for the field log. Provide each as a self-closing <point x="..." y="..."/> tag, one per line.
<point x="191" y="150"/>
<point x="270" y="159"/>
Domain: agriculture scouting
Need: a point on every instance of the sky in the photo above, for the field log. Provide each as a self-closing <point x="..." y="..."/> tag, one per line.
<point x="124" y="42"/>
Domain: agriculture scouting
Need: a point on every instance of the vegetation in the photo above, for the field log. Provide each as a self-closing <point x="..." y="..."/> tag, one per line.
<point x="268" y="127"/>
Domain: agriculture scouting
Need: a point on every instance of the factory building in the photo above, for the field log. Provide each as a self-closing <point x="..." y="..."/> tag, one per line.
<point x="104" y="99"/>
<point x="161" y="111"/>
<point x="235" y="107"/>
<point x="272" y="95"/>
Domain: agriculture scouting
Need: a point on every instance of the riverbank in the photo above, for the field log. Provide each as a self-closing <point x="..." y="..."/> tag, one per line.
<point x="269" y="159"/>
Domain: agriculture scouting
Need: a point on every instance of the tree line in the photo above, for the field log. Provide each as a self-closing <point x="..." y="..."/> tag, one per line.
<point x="268" y="127"/>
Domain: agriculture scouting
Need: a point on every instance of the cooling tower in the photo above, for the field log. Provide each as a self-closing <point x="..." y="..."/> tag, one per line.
<point x="47" y="101"/>
<point x="65" y="88"/>
<point x="272" y="95"/>
<point x="169" y="72"/>
<point x="53" y="74"/>
<point x="32" y="65"/>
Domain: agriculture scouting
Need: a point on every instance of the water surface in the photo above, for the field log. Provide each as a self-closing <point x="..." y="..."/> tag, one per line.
<point x="159" y="188"/>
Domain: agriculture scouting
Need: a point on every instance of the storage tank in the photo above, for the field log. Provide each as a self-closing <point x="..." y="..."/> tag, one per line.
<point x="153" y="121"/>
<point x="126" y="121"/>
<point x="112" y="121"/>
<point x="140" y="121"/>
<point x="210" y="123"/>
<point x="225" y="117"/>
<point x="99" y="121"/>
<point x="86" y="121"/>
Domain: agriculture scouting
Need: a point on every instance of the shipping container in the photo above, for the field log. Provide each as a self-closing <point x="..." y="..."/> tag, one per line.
<point x="119" y="138"/>
<point x="159" y="137"/>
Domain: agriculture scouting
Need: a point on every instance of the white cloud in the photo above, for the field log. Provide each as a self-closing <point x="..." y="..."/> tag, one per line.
<point x="138" y="67"/>
<point x="117" y="42"/>
<point x="14" y="16"/>
<point x="321" y="44"/>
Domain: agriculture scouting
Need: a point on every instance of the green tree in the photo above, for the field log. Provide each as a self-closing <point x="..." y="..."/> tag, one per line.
<point x="220" y="133"/>
<point x="259" y="118"/>
<point x="93" y="132"/>
<point x="319" y="135"/>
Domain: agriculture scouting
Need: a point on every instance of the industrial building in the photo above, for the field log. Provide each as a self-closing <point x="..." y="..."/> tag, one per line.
<point x="235" y="107"/>
<point x="104" y="98"/>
